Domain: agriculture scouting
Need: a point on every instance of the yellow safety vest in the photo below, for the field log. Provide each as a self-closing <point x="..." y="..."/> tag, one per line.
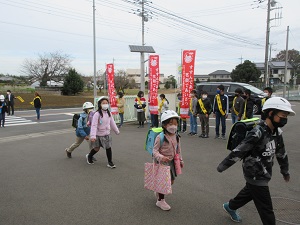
<point x="263" y="101"/>
<point x="191" y="105"/>
<point x="244" y="116"/>
<point x="220" y="105"/>
<point x="202" y="106"/>
<point x="236" y="112"/>
<point x="139" y="100"/>
<point x="161" y="105"/>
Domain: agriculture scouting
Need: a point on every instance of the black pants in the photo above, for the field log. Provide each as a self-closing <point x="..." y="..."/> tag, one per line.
<point x="9" y="105"/>
<point x="262" y="200"/>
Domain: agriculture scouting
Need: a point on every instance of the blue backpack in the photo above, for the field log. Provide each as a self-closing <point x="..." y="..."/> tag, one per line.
<point x="151" y="136"/>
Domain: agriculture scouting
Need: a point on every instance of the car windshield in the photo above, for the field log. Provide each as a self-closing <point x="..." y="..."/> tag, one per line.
<point x="253" y="89"/>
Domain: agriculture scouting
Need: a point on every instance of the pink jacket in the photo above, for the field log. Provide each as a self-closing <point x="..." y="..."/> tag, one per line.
<point x="166" y="149"/>
<point x="101" y="126"/>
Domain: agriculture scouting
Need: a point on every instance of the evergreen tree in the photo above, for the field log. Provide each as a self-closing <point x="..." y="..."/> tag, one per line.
<point x="73" y="83"/>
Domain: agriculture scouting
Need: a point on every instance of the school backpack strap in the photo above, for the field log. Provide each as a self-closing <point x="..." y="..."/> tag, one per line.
<point x="162" y="138"/>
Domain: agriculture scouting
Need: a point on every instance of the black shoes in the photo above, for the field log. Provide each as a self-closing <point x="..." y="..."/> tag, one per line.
<point x="69" y="154"/>
<point x="111" y="165"/>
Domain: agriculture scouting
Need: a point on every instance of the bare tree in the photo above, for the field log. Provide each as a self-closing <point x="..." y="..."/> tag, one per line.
<point x="121" y="80"/>
<point x="50" y="66"/>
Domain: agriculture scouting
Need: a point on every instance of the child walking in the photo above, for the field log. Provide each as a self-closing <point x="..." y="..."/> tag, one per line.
<point x="258" y="150"/>
<point x="83" y="127"/>
<point x="165" y="153"/>
<point x="3" y="110"/>
<point x="100" y="132"/>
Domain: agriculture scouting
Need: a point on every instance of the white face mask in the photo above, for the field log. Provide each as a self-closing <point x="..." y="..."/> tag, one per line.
<point x="104" y="106"/>
<point x="172" y="129"/>
<point x="204" y="96"/>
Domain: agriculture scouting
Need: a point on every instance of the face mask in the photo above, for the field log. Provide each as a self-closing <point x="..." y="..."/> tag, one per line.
<point x="218" y="91"/>
<point x="104" y="106"/>
<point x="172" y="129"/>
<point x="281" y="123"/>
<point x="204" y="96"/>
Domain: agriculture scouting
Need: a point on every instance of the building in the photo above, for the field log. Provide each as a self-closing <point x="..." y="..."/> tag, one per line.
<point x="276" y="71"/>
<point x="135" y="74"/>
<point x="201" y="78"/>
<point x="220" y="75"/>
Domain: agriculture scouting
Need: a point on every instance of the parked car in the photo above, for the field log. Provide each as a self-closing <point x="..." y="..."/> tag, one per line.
<point x="230" y="87"/>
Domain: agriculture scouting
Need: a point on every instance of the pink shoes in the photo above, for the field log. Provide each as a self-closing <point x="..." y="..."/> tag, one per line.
<point x="163" y="205"/>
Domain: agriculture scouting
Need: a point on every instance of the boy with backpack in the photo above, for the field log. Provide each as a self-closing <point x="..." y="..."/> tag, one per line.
<point x="258" y="150"/>
<point x="82" y="127"/>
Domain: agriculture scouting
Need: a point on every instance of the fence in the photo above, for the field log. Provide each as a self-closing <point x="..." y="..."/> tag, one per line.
<point x="130" y="112"/>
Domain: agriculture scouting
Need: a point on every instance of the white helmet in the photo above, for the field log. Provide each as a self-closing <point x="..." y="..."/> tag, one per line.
<point x="102" y="98"/>
<point x="280" y="104"/>
<point x="1" y="97"/>
<point x="87" y="105"/>
<point x="168" y="114"/>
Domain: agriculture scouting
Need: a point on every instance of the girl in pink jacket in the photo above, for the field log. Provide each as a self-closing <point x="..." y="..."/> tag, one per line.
<point x="165" y="153"/>
<point x="102" y="123"/>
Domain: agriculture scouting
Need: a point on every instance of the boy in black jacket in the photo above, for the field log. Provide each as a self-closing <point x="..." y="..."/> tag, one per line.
<point x="204" y="110"/>
<point x="257" y="150"/>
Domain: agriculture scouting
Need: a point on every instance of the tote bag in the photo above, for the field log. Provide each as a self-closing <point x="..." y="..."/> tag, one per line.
<point x="158" y="178"/>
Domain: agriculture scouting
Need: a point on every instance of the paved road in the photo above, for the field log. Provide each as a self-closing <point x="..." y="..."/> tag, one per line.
<point x="40" y="185"/>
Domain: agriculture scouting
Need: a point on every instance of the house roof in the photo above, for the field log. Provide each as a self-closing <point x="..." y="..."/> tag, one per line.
<point x="220" y="72"/>
<point x="274" y="65"/>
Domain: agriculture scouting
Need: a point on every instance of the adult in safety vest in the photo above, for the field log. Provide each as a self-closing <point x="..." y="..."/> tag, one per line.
<point x="220" y="111"/>
<point x="237" y="108"/>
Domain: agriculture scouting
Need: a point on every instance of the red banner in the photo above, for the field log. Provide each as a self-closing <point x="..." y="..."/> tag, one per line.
<point x="153" y="83"/>
<point x="111" y="88"/>
<point x="188" y="63"/>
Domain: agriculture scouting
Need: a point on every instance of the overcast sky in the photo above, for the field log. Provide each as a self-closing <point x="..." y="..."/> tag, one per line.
<point x="221" y="31"/>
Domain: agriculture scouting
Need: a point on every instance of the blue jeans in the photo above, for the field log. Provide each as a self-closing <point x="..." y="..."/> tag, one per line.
<point x="121" y="118"/>
<point x="222" y="119"/>
<point x="193" y="123"/>
<point x="38" y="114"/>
<point x="234" y="118"/>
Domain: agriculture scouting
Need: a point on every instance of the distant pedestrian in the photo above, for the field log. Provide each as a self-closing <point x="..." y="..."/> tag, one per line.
<point x="258" y="150"/>
<point x="268" y="91"/>
<point x="164" y="104"/>
<point x="248" y="106"/>
<point x="204" y="110"/>
<point x="3" y="110"/>
<point x="83" y="127"/>
<point x="154" y="114"/>
<point x="165" y="153"/>
<point x="140" y="105"/>
<point x="37" y="103"/>
<point x="193" y="113"/>
<point x="100" y="136"/>
<point x="182" y="121"/>
<point x="121" y="107"/>
<point x="220" y="110"/>
<point x="10" y="101"/>
<point x="237" y="109"/>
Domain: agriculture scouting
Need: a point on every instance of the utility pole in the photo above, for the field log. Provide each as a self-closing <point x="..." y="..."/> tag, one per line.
<point x="271" y="3"/>
<point x="241" y="59"/>
<point x="286" y="61"/>
<point x="94" y="38"/>
<point x="267" y="45"/>
<point x="142" y="53"/>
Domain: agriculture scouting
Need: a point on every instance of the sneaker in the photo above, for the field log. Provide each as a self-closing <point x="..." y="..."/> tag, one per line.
<point x="89" y="160"/>
<point x="69" y="154"/>
<point x="205" y="136"/>
<point x="223" y="137"/>
<point x="217" y="136"/>
<point x="111" y="165"/>
<point x="191" y="133"/>
<point x="163" y="205"/>
<point x="233" y="213"/>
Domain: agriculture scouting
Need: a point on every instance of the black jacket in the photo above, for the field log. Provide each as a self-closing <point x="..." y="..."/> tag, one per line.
<point x="257" y="151"/>
<point x="225" y="104"/>
<point x="207" y="106"/>
<point x="249" y="107"/>
<point x="3" y="108"/>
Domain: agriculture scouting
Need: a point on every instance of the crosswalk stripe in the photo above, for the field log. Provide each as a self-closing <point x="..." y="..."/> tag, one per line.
<point x="16" y="120"/>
